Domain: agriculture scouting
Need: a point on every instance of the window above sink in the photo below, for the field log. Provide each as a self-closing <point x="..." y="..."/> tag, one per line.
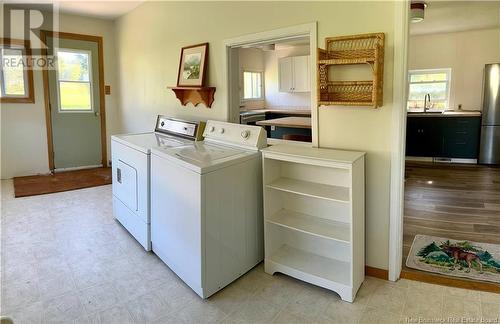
<point x="435" y="82"/>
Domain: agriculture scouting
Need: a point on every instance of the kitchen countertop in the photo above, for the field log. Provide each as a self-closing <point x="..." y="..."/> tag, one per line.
<point x="292" y="122"/>
<point x="297" y="112"/>
<point x="446" y="114"/>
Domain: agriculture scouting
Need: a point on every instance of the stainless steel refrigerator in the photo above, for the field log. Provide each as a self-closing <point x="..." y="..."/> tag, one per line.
<point x="489" y="152"/>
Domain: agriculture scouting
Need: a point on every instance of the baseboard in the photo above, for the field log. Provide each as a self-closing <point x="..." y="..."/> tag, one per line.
<point x="377" y="273"/>
<point x="450" y="281"/>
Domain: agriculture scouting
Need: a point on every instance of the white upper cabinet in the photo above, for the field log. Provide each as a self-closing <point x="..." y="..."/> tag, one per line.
<point x="295" y="74"/>
<point x="286" y="74"/>
<point x="301" y="74"/>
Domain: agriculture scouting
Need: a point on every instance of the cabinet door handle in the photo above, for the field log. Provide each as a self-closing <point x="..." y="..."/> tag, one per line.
<point x="119" y="175"/>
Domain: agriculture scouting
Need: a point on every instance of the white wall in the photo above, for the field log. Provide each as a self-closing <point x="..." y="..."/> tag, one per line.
<point x="149" y="40"/>
<point x="465" y="53"/>
<point x="23" y="130"/>
<point x="274" y="98"/>
<point x="251" y="59"/>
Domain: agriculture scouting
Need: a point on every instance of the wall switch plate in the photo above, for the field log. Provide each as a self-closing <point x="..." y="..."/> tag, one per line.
<point x="107" y="89"/>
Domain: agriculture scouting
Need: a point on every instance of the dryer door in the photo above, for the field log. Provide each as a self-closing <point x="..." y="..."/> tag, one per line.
<point x="125" y="181"/>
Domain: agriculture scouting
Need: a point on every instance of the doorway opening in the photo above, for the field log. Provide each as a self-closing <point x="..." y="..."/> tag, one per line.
<point x="74" y="102"/>
<point x="452" y="198"/>
<point x="272" y="83"/>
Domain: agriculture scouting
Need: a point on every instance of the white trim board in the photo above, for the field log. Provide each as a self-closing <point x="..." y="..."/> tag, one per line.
<point x="400" y="80"/>
<point x="310" y="30"/>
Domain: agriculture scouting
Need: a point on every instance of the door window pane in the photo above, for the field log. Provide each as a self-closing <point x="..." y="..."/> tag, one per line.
<point x="75" y="96"/>
<point x="74" y="80"/>
<point x="13" y="73"/>
<point x="73" y="66"/>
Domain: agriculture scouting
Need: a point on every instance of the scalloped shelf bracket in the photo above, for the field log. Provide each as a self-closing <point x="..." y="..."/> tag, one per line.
<point x="195" y="95"/>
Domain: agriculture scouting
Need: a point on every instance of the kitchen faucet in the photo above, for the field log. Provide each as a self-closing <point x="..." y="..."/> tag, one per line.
<point x="425" y="101"/>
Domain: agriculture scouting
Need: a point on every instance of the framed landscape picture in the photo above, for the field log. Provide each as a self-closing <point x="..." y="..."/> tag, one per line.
<point x="192" y="66"/>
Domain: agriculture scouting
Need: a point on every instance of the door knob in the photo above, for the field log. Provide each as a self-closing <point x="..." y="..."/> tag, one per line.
<point x="97" y="113"/>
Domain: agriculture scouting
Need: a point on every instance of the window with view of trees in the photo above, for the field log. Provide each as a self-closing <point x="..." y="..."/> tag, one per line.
<point x="16" y="76"/>
<point x="74" y="81"/>
<point x="435" y="82"/>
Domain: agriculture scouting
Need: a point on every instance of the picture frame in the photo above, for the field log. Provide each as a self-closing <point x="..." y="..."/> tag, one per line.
<point x="193" y="66"/>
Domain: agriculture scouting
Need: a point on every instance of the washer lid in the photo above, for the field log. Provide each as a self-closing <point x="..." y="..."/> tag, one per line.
<point x="205" y="153"/>
<point x="202" y="157"/>
<point x="145" y="141"/>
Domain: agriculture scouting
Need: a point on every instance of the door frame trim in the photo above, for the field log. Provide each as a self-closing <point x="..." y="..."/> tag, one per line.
<point x="102" y="102"/>
<point x="398" y="145"/>
<point x="307" y="29"/>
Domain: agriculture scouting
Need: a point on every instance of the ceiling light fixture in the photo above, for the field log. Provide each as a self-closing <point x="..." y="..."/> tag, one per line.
<point x="417" y="10"/>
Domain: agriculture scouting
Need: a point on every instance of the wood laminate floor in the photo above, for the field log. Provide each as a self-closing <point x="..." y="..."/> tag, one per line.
<point x="453" y="201"/>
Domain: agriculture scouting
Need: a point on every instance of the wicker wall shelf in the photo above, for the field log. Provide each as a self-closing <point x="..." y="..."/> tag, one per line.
<point x="195" y="95"/>
<point x="347" y="50"/>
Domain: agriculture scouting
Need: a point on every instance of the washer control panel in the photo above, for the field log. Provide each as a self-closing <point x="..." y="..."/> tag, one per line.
<point x="241" y="135"/>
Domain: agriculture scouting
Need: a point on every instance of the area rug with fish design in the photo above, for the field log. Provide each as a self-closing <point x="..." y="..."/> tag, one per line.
<point x="473" y="260"/>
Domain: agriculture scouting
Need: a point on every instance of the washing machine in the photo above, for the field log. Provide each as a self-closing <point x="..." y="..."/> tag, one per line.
<point x="206" y="206"/>
<point x="131" y="171"/>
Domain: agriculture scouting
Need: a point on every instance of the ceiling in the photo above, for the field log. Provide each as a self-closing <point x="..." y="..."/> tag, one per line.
<point x="453" y="16"/>
<point x="108" y="9"/>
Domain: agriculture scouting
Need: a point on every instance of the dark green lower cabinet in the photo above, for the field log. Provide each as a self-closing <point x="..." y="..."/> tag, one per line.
<point x="448" y="137"/>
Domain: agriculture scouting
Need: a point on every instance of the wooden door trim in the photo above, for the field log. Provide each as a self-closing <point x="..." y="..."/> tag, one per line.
<point x="102" y="102"/>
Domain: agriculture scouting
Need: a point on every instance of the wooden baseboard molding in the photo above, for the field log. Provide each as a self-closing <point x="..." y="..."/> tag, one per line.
<point x="450" y="281"/>
<point x="377" y="273"/>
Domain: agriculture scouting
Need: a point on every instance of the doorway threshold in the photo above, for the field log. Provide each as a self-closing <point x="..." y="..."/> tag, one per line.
<point x="57" y="170"/>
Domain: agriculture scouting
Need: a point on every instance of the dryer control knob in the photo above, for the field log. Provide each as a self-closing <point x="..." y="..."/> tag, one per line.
<point x="221" y="130"/>
<point x="212" y="129"/>
<point x="245" y="134"/>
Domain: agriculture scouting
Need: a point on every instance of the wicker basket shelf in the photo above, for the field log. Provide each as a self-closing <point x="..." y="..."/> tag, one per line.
<point x="346" y="50"/>
<point x="349" y="93"/>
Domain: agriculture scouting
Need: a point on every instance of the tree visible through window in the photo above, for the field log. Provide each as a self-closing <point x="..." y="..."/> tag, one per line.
<point x="74" y="80"/>
<point x="252" y="85"/>
<point x="435" y="82"/>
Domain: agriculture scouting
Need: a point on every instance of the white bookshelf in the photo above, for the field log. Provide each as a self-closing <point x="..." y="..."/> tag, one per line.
<point x="314" y="216"/>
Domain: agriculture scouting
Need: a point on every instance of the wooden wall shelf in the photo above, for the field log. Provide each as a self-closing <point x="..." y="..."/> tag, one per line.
<point x="346" y="50"/>
<point x="195" y="95"/>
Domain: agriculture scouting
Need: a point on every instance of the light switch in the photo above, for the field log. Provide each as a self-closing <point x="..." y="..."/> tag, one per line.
<point x="107" y="89"/>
